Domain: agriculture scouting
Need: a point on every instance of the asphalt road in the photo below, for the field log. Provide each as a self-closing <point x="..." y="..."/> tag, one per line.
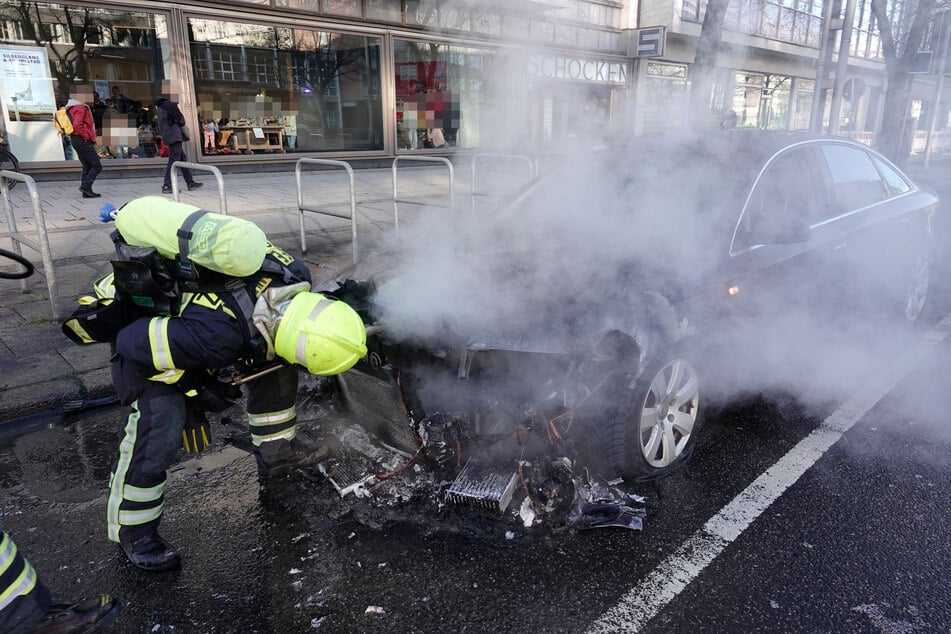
<point x="859" y="542"/>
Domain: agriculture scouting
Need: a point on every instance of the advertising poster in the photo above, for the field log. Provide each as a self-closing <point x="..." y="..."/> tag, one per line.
<point x="101" y="86"/>
<point x="28" y="103"/>
<point x="28" y="91"/>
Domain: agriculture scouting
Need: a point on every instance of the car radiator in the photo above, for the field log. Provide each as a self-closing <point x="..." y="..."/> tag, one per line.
<point x="483" y="487"/>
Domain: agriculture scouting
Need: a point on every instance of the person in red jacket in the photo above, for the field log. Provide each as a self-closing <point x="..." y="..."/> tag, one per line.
<point x="83" y="140"/>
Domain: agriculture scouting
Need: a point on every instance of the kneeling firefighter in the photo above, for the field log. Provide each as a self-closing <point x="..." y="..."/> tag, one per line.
<point x="192" y="292"/>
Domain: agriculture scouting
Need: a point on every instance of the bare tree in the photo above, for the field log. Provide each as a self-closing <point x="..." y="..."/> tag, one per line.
<point x="67" y="54"/>
<point x="703" y="70"/>
<point x="901" y="42"/>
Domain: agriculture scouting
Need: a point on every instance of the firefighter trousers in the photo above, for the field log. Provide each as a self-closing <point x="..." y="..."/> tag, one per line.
<point x="24" y="599"/>
<point x="153" y="437"/>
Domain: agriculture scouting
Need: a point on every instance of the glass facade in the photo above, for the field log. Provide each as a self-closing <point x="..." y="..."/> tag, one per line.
<point x="443" y="94"/>
<point x="272" y="85"/>
<point x="796" y="21"/>
<point x="277" y="90"/>
<point x="664" y="96"/>
<point x="114" y="60"/>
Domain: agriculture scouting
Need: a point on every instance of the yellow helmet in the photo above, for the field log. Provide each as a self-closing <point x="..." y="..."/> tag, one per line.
<point x="325" y="336"/>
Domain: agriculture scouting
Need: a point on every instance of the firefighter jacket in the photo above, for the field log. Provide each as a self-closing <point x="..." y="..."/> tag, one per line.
<point x="210" y="330"/>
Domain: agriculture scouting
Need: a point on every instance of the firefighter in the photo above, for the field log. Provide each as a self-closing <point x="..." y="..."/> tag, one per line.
<point x="161" y="369"/>
<point x="26" y="606"/>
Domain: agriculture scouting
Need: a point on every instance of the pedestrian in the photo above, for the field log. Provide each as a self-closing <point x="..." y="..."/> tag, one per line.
<point x="211" y="132"/>
<point x="255" y="310"/>
<point x="26" y="606"/>
<point x="120" y="102"/>
<point x="171" y="125"/>
<point x="729" y="120"/>
<point x="83" y="140"/>
<point x="98" y="107"/>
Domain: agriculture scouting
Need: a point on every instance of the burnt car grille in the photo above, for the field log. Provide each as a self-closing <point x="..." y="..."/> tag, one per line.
<point x="378" y="407"/>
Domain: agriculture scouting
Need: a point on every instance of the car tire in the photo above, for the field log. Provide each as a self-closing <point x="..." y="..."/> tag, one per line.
<point x="655" y="425"/>
<point x="916" y="302"/>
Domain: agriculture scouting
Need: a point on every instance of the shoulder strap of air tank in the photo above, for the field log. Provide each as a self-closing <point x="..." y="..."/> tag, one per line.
<point x="272" y="266"/>
<point x="243" y="302"/>
<point x="186" y="269"/>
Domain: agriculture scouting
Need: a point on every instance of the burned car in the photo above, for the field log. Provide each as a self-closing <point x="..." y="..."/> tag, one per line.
<point x="538" y="359"/>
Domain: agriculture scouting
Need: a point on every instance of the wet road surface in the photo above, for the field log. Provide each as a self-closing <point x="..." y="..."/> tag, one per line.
<point x="861" y="541"/>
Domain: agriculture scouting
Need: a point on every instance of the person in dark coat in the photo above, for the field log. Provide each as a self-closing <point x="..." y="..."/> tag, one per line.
<point x="171" y="125"/>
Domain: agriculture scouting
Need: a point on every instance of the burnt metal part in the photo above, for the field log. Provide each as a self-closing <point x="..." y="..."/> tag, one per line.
<point x="347" y="475"/>
<point x="483" y="486"/>
<point x="378" y="406"/>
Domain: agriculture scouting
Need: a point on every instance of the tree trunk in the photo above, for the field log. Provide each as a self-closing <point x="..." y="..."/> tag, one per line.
<point x="703" y="69"/>
<point x="898" y="55"/>
<point x="895" y="123"/>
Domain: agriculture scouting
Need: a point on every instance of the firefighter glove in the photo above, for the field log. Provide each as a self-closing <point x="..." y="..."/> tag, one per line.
<point x="196" y="433"/>
<point x="207" y="394"/>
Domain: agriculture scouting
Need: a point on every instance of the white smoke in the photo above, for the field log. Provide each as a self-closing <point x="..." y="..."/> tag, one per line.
<point x="595" y="244"/>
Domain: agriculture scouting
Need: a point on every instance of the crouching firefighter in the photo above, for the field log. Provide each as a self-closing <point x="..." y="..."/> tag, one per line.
<point x="193" y="292"/>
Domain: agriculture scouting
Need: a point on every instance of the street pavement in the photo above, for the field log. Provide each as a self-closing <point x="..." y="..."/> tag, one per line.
<point x="40" y="369"/>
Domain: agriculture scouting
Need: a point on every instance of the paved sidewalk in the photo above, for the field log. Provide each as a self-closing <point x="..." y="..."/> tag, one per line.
<point x="41" y="369"/>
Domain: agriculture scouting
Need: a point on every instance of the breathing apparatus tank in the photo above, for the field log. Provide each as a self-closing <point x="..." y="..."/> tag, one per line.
<point x="225" y="244"/>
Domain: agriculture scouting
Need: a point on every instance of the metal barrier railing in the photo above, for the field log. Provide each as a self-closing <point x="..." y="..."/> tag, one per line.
<point x="43" y="244"/>
<point x="327" y="212"/>
<point x="178" y="165"/>
<point x="508" y="158"/>
<point x="544" y="161"/>
<point x="410" y="201"/>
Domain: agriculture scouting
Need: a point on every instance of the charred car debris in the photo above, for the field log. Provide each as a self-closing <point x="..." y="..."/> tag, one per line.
<point x="474" y="432"/>
<point x="532" y="363"/>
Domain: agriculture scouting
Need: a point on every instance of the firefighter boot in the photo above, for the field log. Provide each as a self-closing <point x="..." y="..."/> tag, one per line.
<point x="61" y="619"/>
<point x="299" y="454"/>
<point x="150" y="552"/>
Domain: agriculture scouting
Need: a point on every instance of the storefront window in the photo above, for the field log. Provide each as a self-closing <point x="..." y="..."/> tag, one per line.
<point x="276" y="90"/>
<point x="442" y="94"/>
<point x="747" y="94"/>
<point x="776" y="102"/>
<point x="117" y="67"/>
<point x="802" y="109"/>
<point x="665" y="96"/>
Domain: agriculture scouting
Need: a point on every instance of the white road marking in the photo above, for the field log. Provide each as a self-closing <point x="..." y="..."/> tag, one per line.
<point x="640" y="604"/>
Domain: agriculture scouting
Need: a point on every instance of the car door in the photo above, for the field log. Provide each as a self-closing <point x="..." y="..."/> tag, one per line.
<point x="881" y="223"/>
<point x="778" y="254"/>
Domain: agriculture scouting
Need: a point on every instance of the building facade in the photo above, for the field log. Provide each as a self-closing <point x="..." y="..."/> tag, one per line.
<point x="768" y="68"/>
<point x="271" y="79"/>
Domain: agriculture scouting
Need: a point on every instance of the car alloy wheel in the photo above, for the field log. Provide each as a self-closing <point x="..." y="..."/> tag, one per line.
<point x="919" y="286"/>
<point x="668" y="413"/>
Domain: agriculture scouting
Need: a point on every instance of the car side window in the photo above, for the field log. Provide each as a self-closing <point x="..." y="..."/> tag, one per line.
<point x="895" y="183"/>
<point x="784" y="202"/>
<point x="856" y="183"/>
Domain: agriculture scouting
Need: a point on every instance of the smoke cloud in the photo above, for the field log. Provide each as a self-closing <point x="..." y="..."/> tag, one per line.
<point x="634" y="238"/>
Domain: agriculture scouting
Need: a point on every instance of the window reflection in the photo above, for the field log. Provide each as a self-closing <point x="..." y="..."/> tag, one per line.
<point x="276" y="90"/>
<point x="51" y="52"/>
